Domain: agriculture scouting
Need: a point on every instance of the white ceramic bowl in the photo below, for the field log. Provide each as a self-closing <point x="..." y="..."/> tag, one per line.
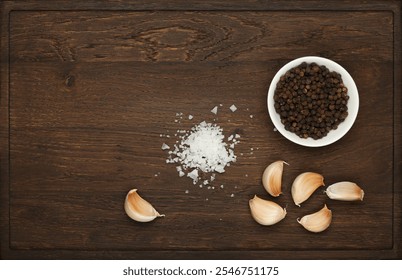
<point x="333" y="135"/>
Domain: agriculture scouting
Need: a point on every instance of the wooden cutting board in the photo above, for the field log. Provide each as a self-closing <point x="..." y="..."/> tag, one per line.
<point x="90" y="91"/>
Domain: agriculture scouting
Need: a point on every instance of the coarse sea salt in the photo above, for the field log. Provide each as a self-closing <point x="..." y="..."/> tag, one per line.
<point x="203" y="150"/>
<point x="215" y="110"/>
<point x="165" y="146"/>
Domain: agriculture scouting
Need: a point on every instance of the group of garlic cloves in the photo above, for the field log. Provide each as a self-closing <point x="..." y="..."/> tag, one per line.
<point x="268" y="213"/>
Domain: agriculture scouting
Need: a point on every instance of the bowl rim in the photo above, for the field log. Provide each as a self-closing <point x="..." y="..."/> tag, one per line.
<point x="333" y="135"/>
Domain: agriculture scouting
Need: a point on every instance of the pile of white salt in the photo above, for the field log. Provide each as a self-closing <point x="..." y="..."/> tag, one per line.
<point x="202" y="150"/>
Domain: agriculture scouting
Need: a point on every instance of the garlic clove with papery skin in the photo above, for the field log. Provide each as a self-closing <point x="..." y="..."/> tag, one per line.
<point x="318" y="221"/>
<point x="304" y="185"/>
<point x="272" y="178"/>
<point x="138" y="208"/>
<point x="346" y="191"/>
<point x="266" y="212"/>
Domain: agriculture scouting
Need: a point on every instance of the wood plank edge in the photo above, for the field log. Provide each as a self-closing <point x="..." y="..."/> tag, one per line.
<point x="200" y="5"/>
<point x="197" y="255"/>
<point x="398" y="132"/>
<point x="4" y="131"/>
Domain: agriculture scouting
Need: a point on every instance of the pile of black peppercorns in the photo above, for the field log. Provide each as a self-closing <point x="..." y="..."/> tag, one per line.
<point x="311" y="100"/>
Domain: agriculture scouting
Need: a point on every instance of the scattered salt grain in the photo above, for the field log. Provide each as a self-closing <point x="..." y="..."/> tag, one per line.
<point x="187" y="191"/>
<point x="232" y="195"/>
<point x="190" y="117"/>
<point x="275" y="129"/>
<point x="213" y="177"/>
<point x="181" y="173"/>
<point x="251" y="116"/>
<point x="233" y="108"/>
<point x="219" y="169"/>
<point x="215" y="110"/>
<point x="221" y="186"/>
<point x="193" y="175"/>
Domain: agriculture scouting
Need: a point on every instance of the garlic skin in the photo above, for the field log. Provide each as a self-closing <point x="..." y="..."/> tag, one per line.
<point x="346" y="191"/>
<point x="318" y="221"/>
<point x="138" y="208"/>
<point x="304" y="185"/>
<point x="266" y="212"/>
<point x="272" y="178"/>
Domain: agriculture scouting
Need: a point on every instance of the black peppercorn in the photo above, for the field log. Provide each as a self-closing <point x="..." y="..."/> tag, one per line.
<point x="311" y="100"/>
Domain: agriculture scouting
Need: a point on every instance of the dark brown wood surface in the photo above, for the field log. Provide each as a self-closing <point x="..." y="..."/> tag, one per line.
<point x="88" y="89"/>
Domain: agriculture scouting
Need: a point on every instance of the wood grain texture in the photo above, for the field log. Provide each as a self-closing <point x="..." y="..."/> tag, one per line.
<point x="87" y="91"/>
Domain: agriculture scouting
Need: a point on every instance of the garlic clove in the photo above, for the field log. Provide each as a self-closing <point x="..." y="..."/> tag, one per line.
<point x="318" y="221"/>
<point x="272" y="178"/>
<point x="266" y="212"/>
<point x="138" y="208"/>
<point x="304" y="185"/>
<point x="346" y="191"/>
